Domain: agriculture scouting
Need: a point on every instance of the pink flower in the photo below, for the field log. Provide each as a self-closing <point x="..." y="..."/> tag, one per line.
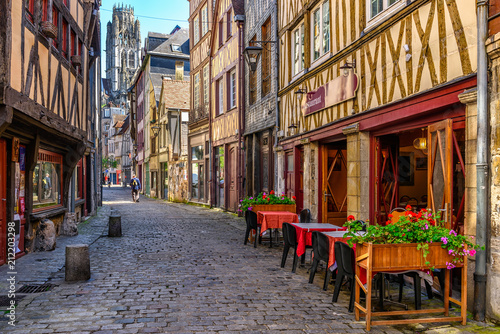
<point x="250" y="208"/>
<point x="452" y="232"/>
<point x="450" y="265"/>
<point x="450" y="251"/>
<point x="472" y="252"/>
<point x="444" y="240"/>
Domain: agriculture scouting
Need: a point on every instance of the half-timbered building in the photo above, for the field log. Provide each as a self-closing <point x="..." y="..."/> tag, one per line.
<point x="200" y="27"/>
<point x="227" y="109"/>
<point x="49" y="86"/>
<point x="260" y="96"/>
<point x="370" y="111"/>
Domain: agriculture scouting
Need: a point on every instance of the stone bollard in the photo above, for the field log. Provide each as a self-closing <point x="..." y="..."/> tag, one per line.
<point x="115" y="225"/>
<point x="77" y="263"/>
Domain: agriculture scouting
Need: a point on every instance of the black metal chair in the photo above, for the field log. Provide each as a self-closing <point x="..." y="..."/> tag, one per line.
<point x="251" y="220"/>
<point x="290" y="240"/>
<point x="344" y="255"/>
<point x="305" y="216"/>
<point x="320" y="245"/>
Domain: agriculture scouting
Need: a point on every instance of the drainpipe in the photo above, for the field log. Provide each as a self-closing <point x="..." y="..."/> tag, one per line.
<point x="482" y="161"/>
<point x="240" y="19"/>
<point x="277" y="99"/>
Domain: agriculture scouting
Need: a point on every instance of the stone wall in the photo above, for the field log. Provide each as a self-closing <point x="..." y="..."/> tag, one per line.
<point x="178" y="181"/>
<point x="311" y="153"/>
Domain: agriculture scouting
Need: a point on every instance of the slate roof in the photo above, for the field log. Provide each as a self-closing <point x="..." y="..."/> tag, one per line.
<point x="125" y="125"/>
<point x="181" y="38"/>
<point x="239" y="7"/>
<point x="176" y="94"/>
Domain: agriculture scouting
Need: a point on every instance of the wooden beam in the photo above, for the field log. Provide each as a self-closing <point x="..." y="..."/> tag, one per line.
<point x="6" y="114"/>
<point x="5" y="41"/>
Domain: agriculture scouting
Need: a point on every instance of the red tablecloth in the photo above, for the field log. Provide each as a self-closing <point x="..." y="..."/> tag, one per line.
<point x="275" y="219"/>
<point x="304" y="237"/>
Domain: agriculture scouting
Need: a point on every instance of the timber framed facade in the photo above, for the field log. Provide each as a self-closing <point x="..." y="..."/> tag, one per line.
<point x="49" y="107"/>
<point x="358" y="85"/>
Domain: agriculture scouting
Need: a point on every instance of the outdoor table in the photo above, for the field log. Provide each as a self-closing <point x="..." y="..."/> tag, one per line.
<point x="304" y="233"/>
<point x="339" y="236"/>
<point x="274" y="219"/>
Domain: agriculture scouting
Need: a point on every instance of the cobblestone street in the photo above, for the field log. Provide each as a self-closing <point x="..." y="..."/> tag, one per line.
<point x="180" y="269"/>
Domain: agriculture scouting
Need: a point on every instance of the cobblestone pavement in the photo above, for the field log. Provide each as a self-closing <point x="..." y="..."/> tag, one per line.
<point x="181" y="269"/>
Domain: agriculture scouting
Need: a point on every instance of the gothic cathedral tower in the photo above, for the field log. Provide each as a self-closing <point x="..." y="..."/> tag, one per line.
<point x="123" y="51"/>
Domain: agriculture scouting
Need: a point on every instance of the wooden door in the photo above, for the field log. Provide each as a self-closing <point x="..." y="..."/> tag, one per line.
<point x="3" y="200"/>
<point x="334" y="185"/>
<point x="232" y="178"/>
<point x="440" y="169"/>
<point x="387" y="183"/>
<point x="289" y="175"/>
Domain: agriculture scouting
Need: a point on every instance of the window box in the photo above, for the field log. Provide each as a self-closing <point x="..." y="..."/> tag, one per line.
<point x="49" y="29"/>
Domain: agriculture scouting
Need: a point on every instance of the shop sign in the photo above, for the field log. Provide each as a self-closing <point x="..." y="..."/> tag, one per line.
<point x="338" y="90"/>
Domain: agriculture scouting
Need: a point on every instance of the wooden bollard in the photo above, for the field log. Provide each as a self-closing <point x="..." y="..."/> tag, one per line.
<point x="115" y="225"/>
<point x="77" y="263"/>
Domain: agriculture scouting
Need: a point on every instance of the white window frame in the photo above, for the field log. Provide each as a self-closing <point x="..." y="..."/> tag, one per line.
<point x="196" y="92"/>
<point x="324" y="48"/>
<point x="206" y="82"/>
<point x="196" y="29"/>
<point x="232" y="89"/>
<point x="387" y="11"/>
<point x="298" y="62"/>
<point x="220" y="84"/>
<point x="204" y="20"/>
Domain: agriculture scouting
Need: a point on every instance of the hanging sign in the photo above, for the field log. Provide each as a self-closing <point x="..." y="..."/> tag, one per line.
<point x="338" y="90"/>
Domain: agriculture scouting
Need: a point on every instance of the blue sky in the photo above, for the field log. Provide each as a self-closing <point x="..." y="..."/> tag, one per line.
<point x="154" y="15"/>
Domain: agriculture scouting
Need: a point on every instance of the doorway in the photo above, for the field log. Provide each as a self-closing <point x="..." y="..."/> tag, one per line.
<point x="334" y="183"/>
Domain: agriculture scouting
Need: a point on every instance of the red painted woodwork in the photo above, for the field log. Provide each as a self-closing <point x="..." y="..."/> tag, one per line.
<point x="232" y="178"/>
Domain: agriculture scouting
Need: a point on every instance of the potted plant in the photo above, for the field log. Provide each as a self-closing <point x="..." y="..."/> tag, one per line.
<point x="415" y="241"/>
<point x="268" y="202"/>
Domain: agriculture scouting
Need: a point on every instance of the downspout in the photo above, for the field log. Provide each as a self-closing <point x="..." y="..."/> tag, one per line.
<point x="482" y="168"/>
<point x="211" y="187"/>
<point x="277" y="99"/>
<point x="241" y="104"/>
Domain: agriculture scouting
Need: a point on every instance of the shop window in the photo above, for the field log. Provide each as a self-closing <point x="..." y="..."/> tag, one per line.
<point x="79" y="180"/>
<point x="47" y="181"/>
<point x="266" y="59"/>
<point x="204" y="20"/>
<point x="320" y="30"/>
<point x="298" y="49"/>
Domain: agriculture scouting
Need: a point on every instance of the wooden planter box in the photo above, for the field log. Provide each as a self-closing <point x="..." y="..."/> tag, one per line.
<point x="401" y="257"/>
<point x="398" y="257"/>
<point x="49" y="29"/>
<point x="274" y="207"/>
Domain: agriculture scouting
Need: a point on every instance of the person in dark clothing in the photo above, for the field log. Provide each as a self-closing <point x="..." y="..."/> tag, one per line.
<point x="135" y="184"/>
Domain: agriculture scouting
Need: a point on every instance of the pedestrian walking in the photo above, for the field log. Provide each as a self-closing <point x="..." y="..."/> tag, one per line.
<point x="135" y="184"/>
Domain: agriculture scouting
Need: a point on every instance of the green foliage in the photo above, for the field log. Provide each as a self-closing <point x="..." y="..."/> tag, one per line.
<point x="248" y="202"/>
<point x="109" y="163"/>
<point x="422" y="228"/>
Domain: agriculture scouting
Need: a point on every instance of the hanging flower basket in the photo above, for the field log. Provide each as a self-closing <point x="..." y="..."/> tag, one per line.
<point x="76" y="60"/>
<point x="49" y="29"/>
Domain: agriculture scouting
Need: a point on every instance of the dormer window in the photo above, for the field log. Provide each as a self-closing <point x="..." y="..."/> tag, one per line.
<point x="176" y="48"/>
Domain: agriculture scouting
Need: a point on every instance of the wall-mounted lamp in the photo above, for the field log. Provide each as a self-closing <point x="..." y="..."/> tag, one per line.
<point x="300" y="93"/>
<point x="252" y="55"/>
<point x="348" y="66"/>
<point x="292" y="128"/>
<point x="156" y="130"/>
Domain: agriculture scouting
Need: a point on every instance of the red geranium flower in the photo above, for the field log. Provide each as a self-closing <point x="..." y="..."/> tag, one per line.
<point x="390" y="215"/>
<point x="408" y="207"/>
<point x="268" y="199"/>
<point x="272" y="192"/>
<point x="263" y="196"/>
<point x="351" y="217"/>
<point x="293" y="197"/>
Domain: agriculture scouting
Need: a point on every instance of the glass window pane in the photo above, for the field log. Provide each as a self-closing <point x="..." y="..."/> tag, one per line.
<point x="290" y="162"/>
<point x="326" y="27"/>
<point x="201" y="183"/>
<point x="197" y="153"/>
<point x="302" y="46"/>
<point x="36" y="184"/>
<point x="194" y="180"/>
<point x="377" y="6"/>
<point x="296" y="51"/>
<point x="316" y="34"/>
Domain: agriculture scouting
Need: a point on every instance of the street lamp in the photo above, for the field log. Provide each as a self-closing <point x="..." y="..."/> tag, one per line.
<point x="156" y="130"/>
<point x="252" y="55"/>
<point x="348" y="66"/>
